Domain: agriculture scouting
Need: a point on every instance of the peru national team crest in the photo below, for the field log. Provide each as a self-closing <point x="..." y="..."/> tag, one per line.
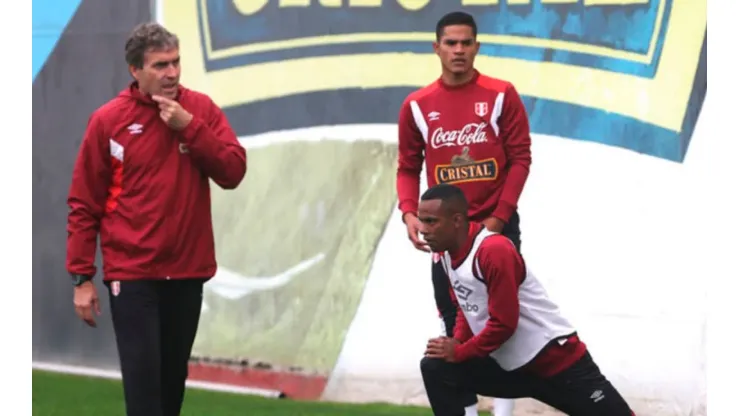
<point x="481" y="109"/>
<point x="115" y="288"/>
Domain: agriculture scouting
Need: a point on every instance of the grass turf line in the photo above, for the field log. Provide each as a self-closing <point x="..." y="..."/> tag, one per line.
<point x="57" y="394"/>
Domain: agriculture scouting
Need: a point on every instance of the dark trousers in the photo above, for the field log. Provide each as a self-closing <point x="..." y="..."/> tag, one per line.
<point x="441" y="284"/>
<point x="155" y="322"/>
<point x="581" y="390"/>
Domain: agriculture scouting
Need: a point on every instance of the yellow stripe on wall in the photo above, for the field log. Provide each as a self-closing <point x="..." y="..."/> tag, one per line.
<point x="661" y="101"/>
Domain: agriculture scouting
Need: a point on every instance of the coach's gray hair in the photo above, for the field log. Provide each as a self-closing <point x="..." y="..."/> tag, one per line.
<point x="146" y="37"/>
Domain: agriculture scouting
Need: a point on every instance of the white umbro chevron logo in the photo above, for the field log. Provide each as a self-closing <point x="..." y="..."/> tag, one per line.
<point x="135" y="128"/>
<point x="597" y="396"/>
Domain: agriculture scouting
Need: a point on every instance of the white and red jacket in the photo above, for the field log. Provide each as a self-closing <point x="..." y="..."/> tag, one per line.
<point x="503" y="310"/>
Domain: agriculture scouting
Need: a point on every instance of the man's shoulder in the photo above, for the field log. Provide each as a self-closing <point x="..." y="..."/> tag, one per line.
<point x="495" y="245"/>
<point x="192" y="94"/>
<point x="200" y="104"/>
<point x="198" y="98"/>
<point x="493" y="84"/>
<point x="111" y="109"/>
<point x="422" y="92"/>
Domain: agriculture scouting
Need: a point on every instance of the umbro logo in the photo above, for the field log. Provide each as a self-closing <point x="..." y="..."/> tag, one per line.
<point x="433" y="116"/>
<point x="135" y="128"/>
<point x="597" y="396"/>
<point x="462" y="291"/>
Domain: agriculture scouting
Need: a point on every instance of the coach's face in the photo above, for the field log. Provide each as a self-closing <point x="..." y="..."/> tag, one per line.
<point x="160" y="73"/>
<point x="438" y="225"/>
<point x="457" y="48"/>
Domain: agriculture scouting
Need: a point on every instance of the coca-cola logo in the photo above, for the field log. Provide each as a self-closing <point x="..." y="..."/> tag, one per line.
<point x="470" y="134"/>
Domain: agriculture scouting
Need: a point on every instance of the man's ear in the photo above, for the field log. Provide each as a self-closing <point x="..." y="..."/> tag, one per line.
<point x="132" y="70"/>
<point x="458" y="219"/>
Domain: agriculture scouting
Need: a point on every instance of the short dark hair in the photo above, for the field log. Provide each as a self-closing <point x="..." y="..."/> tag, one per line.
<point x="453" y="199"/>
<point x="456" y="18"/>
<point x="145" y="37"/>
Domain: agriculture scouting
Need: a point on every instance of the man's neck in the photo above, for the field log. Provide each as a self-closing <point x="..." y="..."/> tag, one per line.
<point x="454" y="80"/>
<point x="461" y="240"/>
<point x="139" y="89"/>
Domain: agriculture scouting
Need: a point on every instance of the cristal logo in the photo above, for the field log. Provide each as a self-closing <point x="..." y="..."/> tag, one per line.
<point x="470" y="134"/>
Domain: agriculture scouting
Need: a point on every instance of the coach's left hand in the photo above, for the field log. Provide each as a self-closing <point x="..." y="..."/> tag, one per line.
<point x="172" y="113"/>
<point x="442" y="347"/>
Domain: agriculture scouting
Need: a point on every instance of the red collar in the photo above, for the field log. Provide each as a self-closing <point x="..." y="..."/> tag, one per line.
<point x="472" y="80"/>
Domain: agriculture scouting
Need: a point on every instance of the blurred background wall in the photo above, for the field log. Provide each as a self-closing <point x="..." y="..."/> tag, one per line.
<point x="78" y="65"/>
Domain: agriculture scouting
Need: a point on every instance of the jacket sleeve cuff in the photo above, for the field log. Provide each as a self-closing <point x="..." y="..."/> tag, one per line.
<point x="191" y="130"/>
<point x="461" y="353"/>
<point x="503" y="211"/>
<point x="406" y="207"/>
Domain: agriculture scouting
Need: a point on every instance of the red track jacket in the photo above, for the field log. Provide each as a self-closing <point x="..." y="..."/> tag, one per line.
<point x="144" y="188"/>
<point x="475" y="136"/>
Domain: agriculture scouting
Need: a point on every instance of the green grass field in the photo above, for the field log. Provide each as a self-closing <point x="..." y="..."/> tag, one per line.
<point x="62" y="395"/>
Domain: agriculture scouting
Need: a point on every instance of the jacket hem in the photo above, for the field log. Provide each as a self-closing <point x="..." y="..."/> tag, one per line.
<point x="124" y="277"/>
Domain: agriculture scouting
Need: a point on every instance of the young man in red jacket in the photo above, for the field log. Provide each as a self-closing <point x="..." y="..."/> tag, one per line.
<point x="472" y="131"/>
<point x="510" y="339"/>
<point x="141" y="182"/>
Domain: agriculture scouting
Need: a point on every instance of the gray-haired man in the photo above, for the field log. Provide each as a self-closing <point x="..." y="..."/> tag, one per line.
<point x="141" y="182"/>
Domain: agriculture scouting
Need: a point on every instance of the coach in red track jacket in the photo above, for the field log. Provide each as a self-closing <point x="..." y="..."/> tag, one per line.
<point x="145" y="187"/>
<point x="141" y="182"/>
